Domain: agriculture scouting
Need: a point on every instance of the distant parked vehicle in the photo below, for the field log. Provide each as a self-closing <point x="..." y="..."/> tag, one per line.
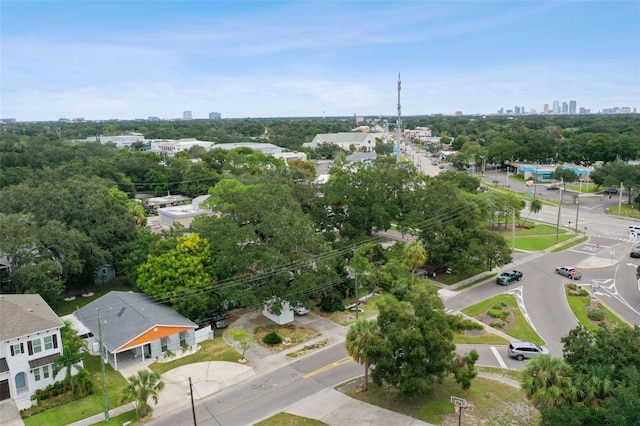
<point x="569" y="271"/>
<point x="528" y="350"/>
<point x="553" y="188"/>
<point x="300" y="310"/>
<point x="635" y="251"/>
<point x="611" y="191"/>
<point x="507" y="277"/>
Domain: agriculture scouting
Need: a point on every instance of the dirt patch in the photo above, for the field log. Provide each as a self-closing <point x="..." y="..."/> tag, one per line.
<point x="291" y="334"/>
<point x="499" y="316"/>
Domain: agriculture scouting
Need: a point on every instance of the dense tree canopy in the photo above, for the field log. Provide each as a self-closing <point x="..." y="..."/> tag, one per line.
<point x="413" y="346"/>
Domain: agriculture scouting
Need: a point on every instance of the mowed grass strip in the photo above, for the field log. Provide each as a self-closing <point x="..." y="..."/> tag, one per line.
<point x="538" y="242"/>
<point x="286" y="419"/>
<point x="578" y="305"/>
<point x="210" y="350"/>
<point x="490" y="402"/>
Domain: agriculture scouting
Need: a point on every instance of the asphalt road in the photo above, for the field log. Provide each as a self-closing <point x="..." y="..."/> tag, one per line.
<point x="265" y="395"/>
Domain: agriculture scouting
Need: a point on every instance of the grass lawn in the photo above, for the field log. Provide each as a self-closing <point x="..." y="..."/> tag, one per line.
<point x="286" y="419"/>
<point x="210" y="350"/>
<point x="449" y="279"/>
<point x="490" y="402"/>
<point x="478" y="281"/>
<point x="369" y="309"/>
<point x="85" y="407"/>
<point x="571" y="244"/>
<point x="578" y="305"/>
<point x="482" y="339"/>
<point x="519" y="327"/>
<point x="291" y="335"/>
<point x="538" y="242"/>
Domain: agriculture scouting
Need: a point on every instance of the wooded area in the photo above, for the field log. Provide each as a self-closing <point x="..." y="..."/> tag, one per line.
<point x="68" y="208"/>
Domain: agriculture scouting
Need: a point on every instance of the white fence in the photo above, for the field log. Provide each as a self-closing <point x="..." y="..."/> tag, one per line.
<point x="204" y="333"/>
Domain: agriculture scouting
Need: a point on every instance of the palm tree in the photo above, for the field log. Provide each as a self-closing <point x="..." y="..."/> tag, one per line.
<point x="359" y="342"/>
<point x="144" y="385"/>
<point x="414" y="256"/>
<point x="534" y="207"/>
<point x="595" y="384"/>
<point x="72" y="346"/>
<point x="548" y="382"/>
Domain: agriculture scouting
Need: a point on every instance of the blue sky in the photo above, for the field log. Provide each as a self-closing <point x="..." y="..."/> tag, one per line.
<point x="134" y="59"/>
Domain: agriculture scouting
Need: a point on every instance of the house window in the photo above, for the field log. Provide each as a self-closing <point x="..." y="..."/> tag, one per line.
<point x="17" y="349"/>
<point x="183" y="338"/>
<point x="37" y="346"/>
<point x="163" y="344"/>
<point x="45" y="371"/>
<point x="48" y="342"/>
<point x="36" y="374"/>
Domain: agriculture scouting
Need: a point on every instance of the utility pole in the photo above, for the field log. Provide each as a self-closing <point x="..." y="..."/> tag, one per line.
<point x="104" y="378"/>
<point x="193" y="407"/>
<point x="355" y="270"/>
<point x="577" y="210"/>
<point x="559" y="210"/>
<point x="399" y="125"/>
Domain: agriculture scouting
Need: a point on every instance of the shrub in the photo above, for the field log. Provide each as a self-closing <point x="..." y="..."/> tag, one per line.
<point x="572" y="286"/>
<point x="458" y="323"/>
<point x="583" y="292"/>
<point x="498" y="313"/>
<point x="272" y="338"/>
<point x="496" y="324"/>
<point x="595" y="315"/>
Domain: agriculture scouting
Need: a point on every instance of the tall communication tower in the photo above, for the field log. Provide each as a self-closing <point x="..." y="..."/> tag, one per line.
<point x="398" y="124"/>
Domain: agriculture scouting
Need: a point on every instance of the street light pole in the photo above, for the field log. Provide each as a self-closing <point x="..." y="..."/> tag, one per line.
<point x="559" y="210"/>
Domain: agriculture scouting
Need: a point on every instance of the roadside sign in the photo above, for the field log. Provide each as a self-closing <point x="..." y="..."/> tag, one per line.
<point x="573" y="272"/>
<point x="598" y="246"/>
<point x="612" y="252"/>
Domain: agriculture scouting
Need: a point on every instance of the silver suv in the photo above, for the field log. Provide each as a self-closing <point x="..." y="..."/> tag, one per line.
<point x="522" y="350"/>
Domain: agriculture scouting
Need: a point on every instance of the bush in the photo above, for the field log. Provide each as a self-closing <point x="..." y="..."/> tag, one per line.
<point x="496" y="324"/>
<point x="498" y="313"/>
<point x="272" y="338"/>
<point x="458" y="323"/>
<point x="583" y="292"/>
<point x="572" y="286"/>
<point x="595" y="315"/>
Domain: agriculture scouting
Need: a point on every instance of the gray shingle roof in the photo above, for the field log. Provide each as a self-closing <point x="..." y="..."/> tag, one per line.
<point x="127" y="315"/>
<point x="24" y="314"/>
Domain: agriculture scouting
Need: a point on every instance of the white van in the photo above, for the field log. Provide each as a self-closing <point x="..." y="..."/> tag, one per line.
<point x="634" y="228"/>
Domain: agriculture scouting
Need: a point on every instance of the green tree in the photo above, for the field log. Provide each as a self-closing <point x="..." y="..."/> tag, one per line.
<point x="547" y="381"/>
<point x="414" y="256"/>
<point x="144" y="385"/>
<point x="178" y="272"/>
<point x="359" y="341"/>
<point x="415" y="345"/>
<point x="243" y="337"/>
<point x="534" y="207"/>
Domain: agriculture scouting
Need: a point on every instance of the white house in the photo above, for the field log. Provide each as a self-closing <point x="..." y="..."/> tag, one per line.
<point x="30" y="341"/>
<point x="346" y="140"/>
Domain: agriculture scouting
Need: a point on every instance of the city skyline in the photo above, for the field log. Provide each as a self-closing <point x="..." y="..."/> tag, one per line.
<point x="131" y="60"/>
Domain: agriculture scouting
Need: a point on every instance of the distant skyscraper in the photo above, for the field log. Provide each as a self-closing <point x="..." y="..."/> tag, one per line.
<point x="516" y="110"/>
<point x="565" y="107"/>
<point x="215" y="116"/>
<point x="572" y="107"/>
<point x="187" y="115"/>
<point x="556" y="107"/>
<point x="545" y="109"/>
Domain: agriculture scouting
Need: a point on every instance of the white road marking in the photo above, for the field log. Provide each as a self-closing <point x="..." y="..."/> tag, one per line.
<point x="498" y="357"/>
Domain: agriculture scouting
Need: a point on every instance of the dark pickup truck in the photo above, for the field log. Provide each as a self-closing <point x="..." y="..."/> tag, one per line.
<point x="507" y="277"/>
